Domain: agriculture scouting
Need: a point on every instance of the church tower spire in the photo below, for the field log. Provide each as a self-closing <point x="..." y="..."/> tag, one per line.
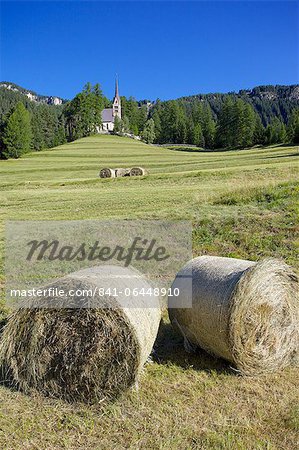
<point x="116" y="87"/>
<point x="116" y="101"/>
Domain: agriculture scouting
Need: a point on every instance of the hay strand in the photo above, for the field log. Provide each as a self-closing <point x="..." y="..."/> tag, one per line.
<point x="245" y="312"/>
<point x="76" y="352"/>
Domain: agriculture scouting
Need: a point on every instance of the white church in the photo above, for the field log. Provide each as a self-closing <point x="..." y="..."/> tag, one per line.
<point x="109" y="114"/>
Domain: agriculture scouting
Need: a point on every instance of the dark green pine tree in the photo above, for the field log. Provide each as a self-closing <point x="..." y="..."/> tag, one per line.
<point x="83" y="113"/>
<point x="208" y="127"/>
<point x="236" y="124"/>
<point x="275" y="132"/>
<point x="130" y="109"/>
<point x="293" y="127"/>
<point x="87" y="110"/>
<point x="180" y="136"/>
<point x="98" y="106"/>
<point x="190" y="131"/>
<point x="60" y="137"/>
<point x="248" y="117"/>
<point x="259" y="131"/>
<point x="169" y="122"/>
<point x="17" y="133"/>
<point x="37" y="142"/>
<point x="226" y="124"/>
<point x="157" y="121"/>
<point x="142" y="117"/>
<point x="148" y="132"/>
<point x="49" y="123"/>
<point x="118" y="125"/>
<point x="126" y="124"/>
<point x="198" y="138"/>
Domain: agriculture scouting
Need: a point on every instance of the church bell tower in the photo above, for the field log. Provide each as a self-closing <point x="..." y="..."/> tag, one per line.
<point x="116" y="101"/>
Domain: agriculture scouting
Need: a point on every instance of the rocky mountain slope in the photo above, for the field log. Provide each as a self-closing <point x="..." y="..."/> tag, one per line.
<point x="269" y="101"/>
<point x="31" y="95"/>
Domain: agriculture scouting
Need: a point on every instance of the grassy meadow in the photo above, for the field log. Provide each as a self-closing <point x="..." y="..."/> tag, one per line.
<point x="242" y="204"/>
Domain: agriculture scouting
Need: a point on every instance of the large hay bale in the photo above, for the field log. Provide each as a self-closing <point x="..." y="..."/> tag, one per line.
<point x="107" y="172"/>
<point x="137" y="172"/>
<point x="245" y="312"/>
<point x="75" y="350"/>
<point x="121" y="172"/>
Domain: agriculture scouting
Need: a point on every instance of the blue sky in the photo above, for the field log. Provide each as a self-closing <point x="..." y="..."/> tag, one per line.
<point x="159" y="49"/>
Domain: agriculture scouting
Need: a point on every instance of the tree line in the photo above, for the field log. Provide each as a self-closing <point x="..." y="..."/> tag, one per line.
<point x="238" y="125"/>
<point x="26" y="126"/>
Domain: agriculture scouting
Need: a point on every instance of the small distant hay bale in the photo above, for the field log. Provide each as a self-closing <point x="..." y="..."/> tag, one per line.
<point x="137" y="172"/>
<point x="77" y="352"/>
<point x="107" y="172"/>
<point x="242" y="311"/>
<point x="121" y="172"/>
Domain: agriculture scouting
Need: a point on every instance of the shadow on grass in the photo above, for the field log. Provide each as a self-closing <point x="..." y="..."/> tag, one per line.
<point x="169" y="348"/>
<point x="231" y="150"/>
<point x="284" y="156"/>
<point x="189" y="149"/>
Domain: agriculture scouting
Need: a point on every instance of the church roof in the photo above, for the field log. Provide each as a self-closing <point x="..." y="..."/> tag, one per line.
<point x="107" y="115"/>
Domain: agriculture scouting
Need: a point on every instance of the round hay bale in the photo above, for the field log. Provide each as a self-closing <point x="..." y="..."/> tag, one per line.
<point x="242" y="311"/>
<point x="78" y="351"/>
<point x="137" y="172"/>
<point x="107" y="172"/>
<point x="121" y="172"/>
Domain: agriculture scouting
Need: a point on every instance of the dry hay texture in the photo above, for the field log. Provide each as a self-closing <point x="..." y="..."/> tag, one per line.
<point x="77" y="352"/>
<point x="242" y="311"/>
<point x="107" y="172"/>
<point x="137" y="171"/>
<point x="121" y="172"/>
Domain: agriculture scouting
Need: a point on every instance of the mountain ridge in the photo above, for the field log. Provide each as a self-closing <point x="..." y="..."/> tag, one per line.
<point x="32" y="95"/>
<point x="269" y="101"/>
<point x="268" y="92"/>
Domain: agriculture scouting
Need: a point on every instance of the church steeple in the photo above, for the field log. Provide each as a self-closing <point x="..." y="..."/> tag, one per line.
<point x="116" y="87"/>
<point x="116" y="101"/>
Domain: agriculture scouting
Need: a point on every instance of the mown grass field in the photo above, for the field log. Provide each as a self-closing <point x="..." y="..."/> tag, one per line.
<point x="242" y="204"/>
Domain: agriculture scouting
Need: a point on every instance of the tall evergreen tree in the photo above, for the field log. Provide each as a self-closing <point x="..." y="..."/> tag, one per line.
<point x="180" y="133"/>
<point x="293" y="128"/>
<point x="197" y="113"/>
<point x="170" y="116"/>
<point x="59" y="137"/>
<point x="49" y="124"/>
<point x="198" y="138"/>
<point x="130" y="109"/>
<point x="259" y="131"/>
<point x="37" y="142"/>
<point x="17" y="133"/>
<point x="118" y="125"/>
<point x="148" y="133"/>
<point x="226" y="125"/>
<point x="275" y="132"/>
<point x="208" y="127"/>
<point x="157" y="121"/>
<point x="236" y="124"/>
<point x="190" y="131"/>
<point x="83" y="113"/>
<point x="126" y="124"/>
<point x="142" y="117"/>
<point x="99" y="104"/>
<point x="249" y="122"/>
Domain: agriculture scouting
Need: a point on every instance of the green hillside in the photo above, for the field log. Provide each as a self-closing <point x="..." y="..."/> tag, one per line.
<point x="242" y="204"/>
<point x="58" y="181"/>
